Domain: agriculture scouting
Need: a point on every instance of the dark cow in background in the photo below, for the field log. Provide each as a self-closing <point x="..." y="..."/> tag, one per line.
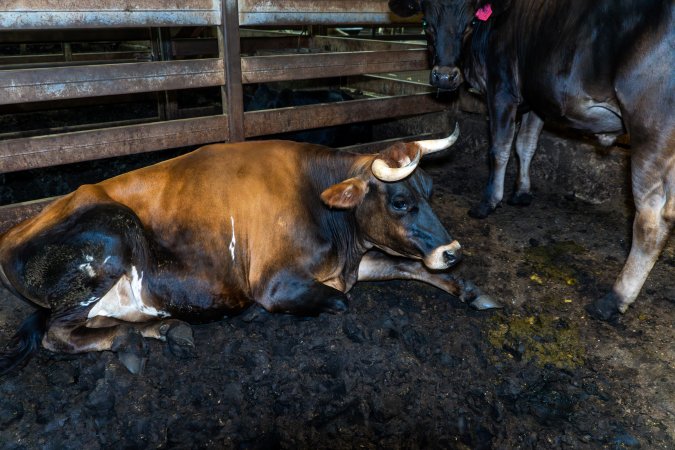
<point x="604" y="66"/>
<point x="262" y="96"/>
<point x="286" y="225"/>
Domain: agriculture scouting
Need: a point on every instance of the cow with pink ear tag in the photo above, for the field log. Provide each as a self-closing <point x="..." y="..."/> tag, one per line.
<point x="605" y="67"/>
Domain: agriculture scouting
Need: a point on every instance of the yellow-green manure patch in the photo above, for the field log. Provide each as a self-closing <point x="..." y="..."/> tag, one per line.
<point x="554" y="262"/>
<point x="542" y="339"/>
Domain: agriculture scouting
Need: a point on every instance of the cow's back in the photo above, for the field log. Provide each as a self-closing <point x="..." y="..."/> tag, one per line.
<point x="222" y="201"/>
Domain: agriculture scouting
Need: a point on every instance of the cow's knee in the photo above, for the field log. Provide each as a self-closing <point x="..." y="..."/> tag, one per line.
<point x="291" y="293"/>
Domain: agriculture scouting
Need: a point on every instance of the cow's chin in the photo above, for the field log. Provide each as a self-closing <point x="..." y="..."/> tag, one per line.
<point x="444" y="257"/>
<point x="447" y="85"/>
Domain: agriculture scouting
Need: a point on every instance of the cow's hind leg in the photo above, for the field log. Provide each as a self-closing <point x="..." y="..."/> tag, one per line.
<point x="653" y="178"/>
<point x="73" y="265"/>
<point x="72" y="332"/>
<point x="526" y="145"/>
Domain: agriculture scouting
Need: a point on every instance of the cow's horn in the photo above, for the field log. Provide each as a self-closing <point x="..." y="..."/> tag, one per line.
<point x="434" y="145"/>
<point x="385" y="173"/>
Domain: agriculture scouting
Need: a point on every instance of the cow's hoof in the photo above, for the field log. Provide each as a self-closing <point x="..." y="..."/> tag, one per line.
<point x="131" y="350"/>
<point x="481" y="211"/>
<point x="483" y="302"/>
<point x="180" y="340"/>
<point x="521" y="199"/>
<point x="604" y="309"/>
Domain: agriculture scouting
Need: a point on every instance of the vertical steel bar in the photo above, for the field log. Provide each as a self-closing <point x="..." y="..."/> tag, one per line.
<point x="167" y="103"/>
<point x="230" y="51"/>
<point x="158" y="55"/>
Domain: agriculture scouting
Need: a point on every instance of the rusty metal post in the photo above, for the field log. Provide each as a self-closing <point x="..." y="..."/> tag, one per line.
<point x="230" y="52"/>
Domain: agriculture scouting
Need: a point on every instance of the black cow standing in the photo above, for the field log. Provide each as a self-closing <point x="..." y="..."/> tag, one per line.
<point x="604" y="66"/>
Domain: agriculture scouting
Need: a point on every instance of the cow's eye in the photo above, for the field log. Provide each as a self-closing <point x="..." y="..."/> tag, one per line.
<point x="400" y="204"/>
<point x="424" y="24"/>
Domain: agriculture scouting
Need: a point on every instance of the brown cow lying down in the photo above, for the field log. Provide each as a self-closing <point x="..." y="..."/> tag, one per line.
<point x="286" y="225"/>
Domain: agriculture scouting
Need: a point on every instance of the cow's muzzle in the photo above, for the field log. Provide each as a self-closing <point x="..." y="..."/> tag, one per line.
<point x="445" y="77"/>
<point x="444" y="256"/>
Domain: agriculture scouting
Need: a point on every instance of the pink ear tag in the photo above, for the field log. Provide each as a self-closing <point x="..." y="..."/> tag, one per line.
<point x="484" y="13"/>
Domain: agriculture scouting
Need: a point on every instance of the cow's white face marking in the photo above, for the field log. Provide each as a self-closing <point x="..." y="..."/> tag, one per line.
<point x="233" y="241"/>
<point x="124" y="301"/>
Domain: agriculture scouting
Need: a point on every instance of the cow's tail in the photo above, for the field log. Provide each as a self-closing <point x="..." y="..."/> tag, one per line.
<point x="28" y="337"/>
<point x="24" y="342"/>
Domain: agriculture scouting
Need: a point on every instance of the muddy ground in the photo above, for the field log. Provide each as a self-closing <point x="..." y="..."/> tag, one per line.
<point x="407" y="366"/>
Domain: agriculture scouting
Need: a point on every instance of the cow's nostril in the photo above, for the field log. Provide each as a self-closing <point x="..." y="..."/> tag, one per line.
<point x="451" y="257"/>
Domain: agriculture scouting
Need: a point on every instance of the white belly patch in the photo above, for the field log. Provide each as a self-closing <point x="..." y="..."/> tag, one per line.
<point x="125" y="302"/>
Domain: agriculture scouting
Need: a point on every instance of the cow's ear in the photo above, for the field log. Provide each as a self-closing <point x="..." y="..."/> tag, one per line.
<point x="405" y="8"/>
<point x="346" y="194"/>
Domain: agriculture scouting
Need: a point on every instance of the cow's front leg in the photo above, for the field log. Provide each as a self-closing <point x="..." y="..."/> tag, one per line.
<point x="502" y="130"/>
<point x="378" y="266"/>
<point x="654" y="194"/>
<point x="298" y="293"/>
<point x="526" y="145"/>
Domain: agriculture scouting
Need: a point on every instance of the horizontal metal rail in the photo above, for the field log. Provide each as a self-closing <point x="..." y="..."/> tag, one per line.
<point x="52" y="150"/>
<point x="33" y="85"/>
<point x="11" y="215"/>
<point x="78" y="14"/>
<point x="261" y="69"/>
<point x="280" y="120"/>
<point x="50" y="14"/>
<point x="315" y="12"/>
